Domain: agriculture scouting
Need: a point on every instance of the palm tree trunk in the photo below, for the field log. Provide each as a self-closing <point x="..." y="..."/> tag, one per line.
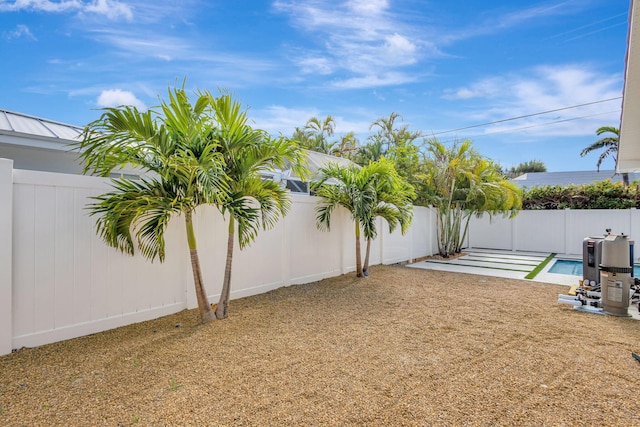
<point x="206" y="314"/>
<point x="464" y="234"/>
<point x="359" y="272"/>
<point x="365" y="268"/>
<point x="222" y="311"/>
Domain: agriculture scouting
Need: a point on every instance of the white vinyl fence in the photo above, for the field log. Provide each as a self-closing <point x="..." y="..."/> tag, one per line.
<point x="560" y="231"/>
<point x="58" y="280"/>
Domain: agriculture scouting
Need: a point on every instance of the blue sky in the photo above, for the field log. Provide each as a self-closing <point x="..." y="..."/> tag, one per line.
<point x="442" y="65"/>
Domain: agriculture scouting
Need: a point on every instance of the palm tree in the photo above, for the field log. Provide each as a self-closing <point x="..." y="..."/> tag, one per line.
<point x="610" y="146"/>
<point x="356" y="190"/>
<point x="393" y="203"/>
<point x="252" y="202"/>
<point x="389" y="136"/>
<point x="314" y="135"/>
<point x="347" y="145"/>
<point x="172" y="144"/>
<point x="461" y="183"/>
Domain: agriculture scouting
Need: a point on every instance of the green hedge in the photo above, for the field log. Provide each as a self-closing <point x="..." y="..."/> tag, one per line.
<point x="597" y="195"/>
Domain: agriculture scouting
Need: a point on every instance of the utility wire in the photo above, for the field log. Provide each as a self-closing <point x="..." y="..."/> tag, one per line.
<point x="541" y="124"/>
<point x="527" y="115"/>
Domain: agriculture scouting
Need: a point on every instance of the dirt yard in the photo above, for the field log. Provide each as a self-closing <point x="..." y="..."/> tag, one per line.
<point x="403" y="347"/>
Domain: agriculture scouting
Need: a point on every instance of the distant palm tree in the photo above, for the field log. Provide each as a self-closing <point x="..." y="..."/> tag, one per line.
<point x="346" y="146"/>
<point x="610" y="146"/>
<point x="314" y="135"/>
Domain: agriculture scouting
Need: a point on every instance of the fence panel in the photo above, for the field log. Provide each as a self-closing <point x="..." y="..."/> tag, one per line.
<point x="64" y="282"/>
<point x="495" y="232"/>
<point x="540" y="231"/>
<point x="423" y="237"/>
<point x="594" y="222"/>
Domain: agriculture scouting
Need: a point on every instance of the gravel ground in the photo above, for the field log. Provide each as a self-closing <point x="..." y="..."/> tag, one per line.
<point x="403" y="347"/>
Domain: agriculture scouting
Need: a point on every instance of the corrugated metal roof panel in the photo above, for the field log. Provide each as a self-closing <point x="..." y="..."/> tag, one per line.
<point x="29" y="125"/>
<point x="64" y="131"/>
<point x="317" y="160"/>
<point x="4" y="121"/>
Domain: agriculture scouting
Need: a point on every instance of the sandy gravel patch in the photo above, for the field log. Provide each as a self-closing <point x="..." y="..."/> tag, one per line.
<point x="403" y="347"/>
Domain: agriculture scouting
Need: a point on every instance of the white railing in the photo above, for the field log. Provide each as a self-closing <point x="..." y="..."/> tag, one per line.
<point x="58" y="280"/>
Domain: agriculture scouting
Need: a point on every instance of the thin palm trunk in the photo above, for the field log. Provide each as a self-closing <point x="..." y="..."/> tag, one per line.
<point x="365" y="268"/>
<point x="222" y="311"/>
<point x="359" y="272"/>
<point x="206" y="313"/>
<point x="464" y="234"/>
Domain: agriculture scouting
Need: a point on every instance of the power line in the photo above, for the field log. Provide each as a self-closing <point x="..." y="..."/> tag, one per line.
<point x="526" y="115"/>
<point x="541" y="124"/>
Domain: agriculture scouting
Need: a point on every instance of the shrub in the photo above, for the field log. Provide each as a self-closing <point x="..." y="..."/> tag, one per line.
<point x="597" y="195"/>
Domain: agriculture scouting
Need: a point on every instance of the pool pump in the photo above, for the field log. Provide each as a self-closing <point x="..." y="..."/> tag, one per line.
<point x="608" y="285"/>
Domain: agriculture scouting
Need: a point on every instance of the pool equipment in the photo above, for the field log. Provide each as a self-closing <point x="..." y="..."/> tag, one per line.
<point x="615" y="275"/>
<point x="608" y="286"/>
<point x="591" y="258"/>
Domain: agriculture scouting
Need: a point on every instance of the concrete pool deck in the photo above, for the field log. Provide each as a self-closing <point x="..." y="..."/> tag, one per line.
<point x="513" y="265"/>
<point x="509" y="264"/>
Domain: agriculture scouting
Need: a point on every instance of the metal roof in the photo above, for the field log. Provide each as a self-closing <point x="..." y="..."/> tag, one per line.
<point x="533" y="179"/>
<point x="18" y="124"/>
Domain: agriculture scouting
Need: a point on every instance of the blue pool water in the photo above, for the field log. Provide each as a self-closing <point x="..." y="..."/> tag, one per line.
<point x="574" y="268"/>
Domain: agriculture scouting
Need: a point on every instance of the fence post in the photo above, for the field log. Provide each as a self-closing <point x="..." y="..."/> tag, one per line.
<point x="433" y="230"/>
<point x="381" y="240"/>
<point x="6" y="255"/>
<point x="514" y="233"/>
<point x="567" y="233"/>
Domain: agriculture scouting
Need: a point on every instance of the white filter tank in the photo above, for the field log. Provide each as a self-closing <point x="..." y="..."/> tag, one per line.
<point x="615" y="275"/>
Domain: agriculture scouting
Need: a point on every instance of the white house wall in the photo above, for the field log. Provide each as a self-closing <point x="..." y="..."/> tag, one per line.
<point x="40" y="159"/>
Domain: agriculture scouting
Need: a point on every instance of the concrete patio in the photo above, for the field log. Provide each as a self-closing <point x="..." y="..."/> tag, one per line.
<point x="508" y="264"/>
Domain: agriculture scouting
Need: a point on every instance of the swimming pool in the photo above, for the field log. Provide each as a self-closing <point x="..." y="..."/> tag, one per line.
<point x="574" y="268"/>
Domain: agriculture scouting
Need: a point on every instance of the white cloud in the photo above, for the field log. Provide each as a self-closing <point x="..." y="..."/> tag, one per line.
<point x="112" y="9"/>
<point x="316" y="65"/>
<point x="486" y="88"/>
<point x="374" y="80"/>
<point x="542" y="89"/>
<point x="368" y="6"/>
<point x="21" y="31"/>
<point x="118" y="97"/>
<point x="277" y="119"/>
<point x="498" y="20"/>
<point x="399" y="49"/>
<point x="362" y="37"/>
